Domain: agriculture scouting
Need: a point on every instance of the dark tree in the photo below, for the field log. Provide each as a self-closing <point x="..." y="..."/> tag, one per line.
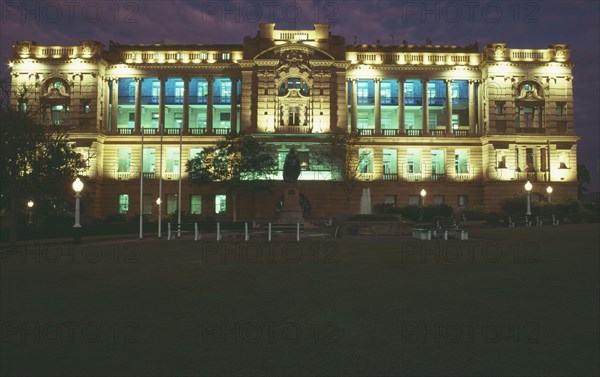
<point x="237" y="162"/>
<point x="36" y="162"/>
<point x="583" y="178"/>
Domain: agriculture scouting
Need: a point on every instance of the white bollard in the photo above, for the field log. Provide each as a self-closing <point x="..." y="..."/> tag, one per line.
<point x="269" y="231"/>
<point x="168" y="231"/>
<point x="297" y="231"/>
<point x="247" y="236"/>
<point x="196" y="233"/>
<point x="218" y="231"/>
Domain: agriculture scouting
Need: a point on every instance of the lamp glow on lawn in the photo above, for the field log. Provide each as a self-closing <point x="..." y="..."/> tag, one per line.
<point x="423" y="194"/>
<point x="77" y="187"/>
<point x="549" y="190"/>
<point x="528" y="187"/>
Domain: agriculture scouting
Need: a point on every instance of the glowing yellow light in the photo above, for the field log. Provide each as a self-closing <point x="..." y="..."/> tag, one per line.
<point x="423" y="192"/>
<point x="77" y="185"/>
<point x="528" y="186"/>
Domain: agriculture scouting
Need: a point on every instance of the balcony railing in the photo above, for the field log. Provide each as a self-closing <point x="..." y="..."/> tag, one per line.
<point x="221" y="100"/>
<point x="198" y="131"/>
<point x="172" y="131"/>
<point x="123" y="175"/>
<point x="413" y="177"/>
<point x="530" y="130"/>
<point x="125" y="131"/>
<point x="171" y="175"/>
<point x="366" y="131"/>
<point x="126" y="100"/>
<point x="414" y="132"/>
<point x="390" y="176"/>
<point x="365" y="176"/>
<point x="437" y="101"/>
<point x="460" y="133"/>
<point x="196" y="100"/>
<point x="438" y="132"/>
<point x="389" y="100"/>
<point x="150" y="131"/>
<point x="149" y="175"/>
<point x="462" y="176"/>
<point x="390" y="132"/>
<point x="150" y="100"/>
<point x="413" y="101"/>
<point x="438" y="177"/>
<point x="366" y="100"/>
<point x="173" y="100"/>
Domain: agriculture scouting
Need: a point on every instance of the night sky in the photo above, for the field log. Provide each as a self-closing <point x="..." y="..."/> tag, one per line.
<point x="520" y="24"/>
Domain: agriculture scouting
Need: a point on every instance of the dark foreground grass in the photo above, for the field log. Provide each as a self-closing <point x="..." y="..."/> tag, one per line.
<point x="514" y="302"/>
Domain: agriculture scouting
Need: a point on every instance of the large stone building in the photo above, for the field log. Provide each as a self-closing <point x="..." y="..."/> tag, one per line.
<point x="468" y="126"/>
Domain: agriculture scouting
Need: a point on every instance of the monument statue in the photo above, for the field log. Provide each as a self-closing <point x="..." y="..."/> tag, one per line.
<point x="291" y="166"/>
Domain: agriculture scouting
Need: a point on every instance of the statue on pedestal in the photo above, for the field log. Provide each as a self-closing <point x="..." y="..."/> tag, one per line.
<point x="291" y="166"/>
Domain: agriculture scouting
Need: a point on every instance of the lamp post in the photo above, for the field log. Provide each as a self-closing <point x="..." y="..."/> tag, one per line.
<point x="423" y="193"/>
<point x="77" y="187"/>
<point x="159" y="203"/>
<point x="549" y="190"/>
<point x="30" y="210"/>
<point x="528" y="187"/>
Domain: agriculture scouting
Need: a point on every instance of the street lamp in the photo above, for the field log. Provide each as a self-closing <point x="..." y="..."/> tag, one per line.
<point x="423" y="193"/>
<point x="528" y="187"/>
<point x="159" y="202"/>
<point x="30" y="209"/>
<point x="549" y="190"/>
<point x="77" y="187"/>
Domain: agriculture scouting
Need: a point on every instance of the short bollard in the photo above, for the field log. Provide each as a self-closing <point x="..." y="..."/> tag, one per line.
<point x="246" y="236"/>
<point x="197" y="234"/>
<point x="269" y="231"/>
<point x="168" y="231"/>
<point x="297" y="231"/>
<point x="218" y="231"/>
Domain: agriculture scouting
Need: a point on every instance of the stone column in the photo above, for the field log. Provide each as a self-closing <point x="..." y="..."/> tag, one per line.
<point x="114" y="111"/>
<point x="425" y="106"/>
<point x="233" y="117"/>
<point x="401" y="106"/>
<point x="209" y="106"/>
<point x="185" y="119"/>
<point x="161" y="106"/>
<point x="377" y="106"/>
<point x="449" y="107"/>
<point x="138" y="106"/>
<point x="472" y="114"/>
<point x="106" y="110"/>
<point x="354" y="106"/>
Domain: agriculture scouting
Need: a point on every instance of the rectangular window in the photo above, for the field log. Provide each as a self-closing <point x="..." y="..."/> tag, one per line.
<point x="226" y="91"/>
<point x="432" y="120"/>
<point x="431" y="92"/>
<point x="461" y="161"/>
<point x="149" y="160"/>
<point x="23" y="106"/>
<point x="202" y="89"/>
<point x="131" y="121"/>
<point x="454" y="121"/>
<point x="390" y="161"/>
<point x="362" y="92"/>
<point x="389" y="199"/>
<point x="179" y="91"/>
<point x="154" y="120"/>
<point x="455" y="91"/>
<point x="194" y="152"/>
<point x="414" y="200"/>
<point x="365" y="163"/>
<point x="363" y="121"/>
<point x="172" y="165"/>
<point x="225" y="55"/>
<point x="86" y="107"/>
<point x="501" y="160"/>
<point x="195" y="204"/>
<point x="543" y="159"/>
<point x="386" y="93"/>
<point x="409" y="121"/>
<point x="528" y="116"/>
<point x="529" y="159"/>
<point x="57" y="115"/>
<point x="438" y="163"/>
<point x="409" y="93"/>
<point x="201" y="120"/>
<point x="225" y="119"/>
<point x="220" y="204"/>
<point x="178" y="120"/>
<point x="155" y="91"/>
<point x="438" y="199"/>
<point x="171" y="204"/>
<point x="123" y="203"/>
<point x="124" y="163"/>
<point x="560" y="108"/>
<point x="463" y="200"/>
<point x="147" y="204"/>
<point x="413" y="161"/>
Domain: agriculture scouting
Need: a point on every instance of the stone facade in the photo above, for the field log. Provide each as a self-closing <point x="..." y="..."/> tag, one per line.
<point x="469" y="126"/>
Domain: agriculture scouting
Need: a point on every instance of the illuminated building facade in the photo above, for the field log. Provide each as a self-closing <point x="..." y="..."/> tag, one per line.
<point x="469" y="126"/>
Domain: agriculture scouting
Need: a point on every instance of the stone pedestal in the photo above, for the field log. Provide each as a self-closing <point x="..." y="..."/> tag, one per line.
<point x="291" y="213"/>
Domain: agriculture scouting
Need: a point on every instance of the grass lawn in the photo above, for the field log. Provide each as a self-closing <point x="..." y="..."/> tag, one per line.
<point x="509" y="302"/>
